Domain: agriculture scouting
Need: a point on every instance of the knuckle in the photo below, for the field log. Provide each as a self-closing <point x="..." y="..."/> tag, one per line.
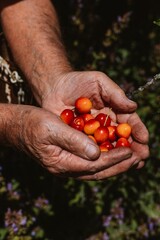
<point x="51" y="158"/>
<point x="146" y="153"/>
<point x="119" y="92"/>
<point x="74" y="138"/>
<point x="71" y="140"/>
<point x="141" y="164"/>
<point x="96" y="177"/>
<point x="92" y="168"/>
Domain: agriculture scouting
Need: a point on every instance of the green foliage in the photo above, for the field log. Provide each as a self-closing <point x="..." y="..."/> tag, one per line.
<point x="157" y="22"/>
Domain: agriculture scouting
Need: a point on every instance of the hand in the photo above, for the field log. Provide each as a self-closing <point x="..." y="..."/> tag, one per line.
<point x="60" y="149"/>
<point x="103" y="92"/>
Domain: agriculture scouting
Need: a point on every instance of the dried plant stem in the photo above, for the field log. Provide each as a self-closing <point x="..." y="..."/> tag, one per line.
<point x="150" y="83"/>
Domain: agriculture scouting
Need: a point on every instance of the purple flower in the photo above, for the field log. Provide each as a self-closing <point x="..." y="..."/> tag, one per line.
<point x="33" y="233"/>
<point x="23" y="221"/>
<point x="15" y="220"/>
<point x="151" y="226"/>
<point x="9" y="186"/>
<point x="41" y="202"/>
<point x="120" y="222"/>
<point x="95" y="189"/>
<point x="105" y="236"/>
<point x="107" y="221"/>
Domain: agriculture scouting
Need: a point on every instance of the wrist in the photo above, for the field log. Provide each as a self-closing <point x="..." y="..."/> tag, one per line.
<point x="8" y="124"/>
<point x="45" y="74"/>
<point x="13" y="118"/>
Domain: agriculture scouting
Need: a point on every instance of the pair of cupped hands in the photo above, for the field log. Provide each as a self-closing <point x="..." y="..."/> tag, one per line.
<point x="67" y="152"/>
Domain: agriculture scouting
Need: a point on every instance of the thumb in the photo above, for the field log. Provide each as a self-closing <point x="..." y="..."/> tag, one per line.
<point x="115" y="96"/>
<point x="73" y="141"/>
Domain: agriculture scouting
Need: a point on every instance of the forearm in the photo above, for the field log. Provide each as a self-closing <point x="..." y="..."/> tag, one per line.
<point x="32" y="30"/>
<point x="10" y="116"/>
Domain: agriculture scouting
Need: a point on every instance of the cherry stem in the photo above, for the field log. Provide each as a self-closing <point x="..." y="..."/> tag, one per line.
<point x="107" y="116"/>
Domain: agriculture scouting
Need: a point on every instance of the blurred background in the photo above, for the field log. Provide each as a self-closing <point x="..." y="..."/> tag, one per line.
<point x="119" y="38"/>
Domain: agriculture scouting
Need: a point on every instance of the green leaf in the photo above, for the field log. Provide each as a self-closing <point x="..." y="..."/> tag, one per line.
<point x="3" y="233"/>
<point x="157" y="22"/>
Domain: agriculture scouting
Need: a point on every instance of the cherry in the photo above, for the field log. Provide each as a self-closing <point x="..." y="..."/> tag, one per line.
<point x="104" y="119"/>
<point x="98" y="128"/>
<point x="67" y="116"/>
<point x="101" y="134"/>
<point x="112" y="133"/>
<point x="106" y="145"/>
<point x="122" y="142"/>
<point x="78" y="123"/>
<point x="103" y="148"/>
<point x="83" y="105"/>
<point x="123" y="130"/>
<point x="87" y="116"/>
<point x="91" y="137"/>
<point x="91" y="126"/>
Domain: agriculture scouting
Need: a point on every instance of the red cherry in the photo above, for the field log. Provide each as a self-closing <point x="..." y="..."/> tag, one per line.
<point x="123" y="142"/>
<point x="91" y="126"/>
<point x="106" y="145"/>
<point x="101" y="134"/>
<point x="104" y="119"/>
<point x="67" y="116"/>
<point x="112" y="133"/>
<point x="87" y="116"/>
<point x="83" y="105"/>
<point x="123" y="130"/>
<point x="103" y="148"/>
<point x="78" y="123"/>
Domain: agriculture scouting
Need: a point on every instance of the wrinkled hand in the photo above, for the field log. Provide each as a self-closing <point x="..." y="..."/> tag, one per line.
<point x="62" y="150"/>
<point x="104" y="93"/>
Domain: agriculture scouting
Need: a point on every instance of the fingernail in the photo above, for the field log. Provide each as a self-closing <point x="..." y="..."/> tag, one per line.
<point x="130" y="100"/>
<point x="136" y="162"/>
<point x="92" y="151"/>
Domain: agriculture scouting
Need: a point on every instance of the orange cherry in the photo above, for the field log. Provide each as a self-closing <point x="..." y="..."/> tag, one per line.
<point x="112" y="133"/>
<point x="106" y="145"/>
<point x="103" y="148"/>
<point x="91" y="137"/>
<point x="91" y="126"/>
<point x="123" y="130"/>
<point x="87" y="116"/>
<point x="83" y="105"/>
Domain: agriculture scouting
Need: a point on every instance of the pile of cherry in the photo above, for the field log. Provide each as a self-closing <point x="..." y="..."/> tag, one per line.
<point x="100" y="129"/>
